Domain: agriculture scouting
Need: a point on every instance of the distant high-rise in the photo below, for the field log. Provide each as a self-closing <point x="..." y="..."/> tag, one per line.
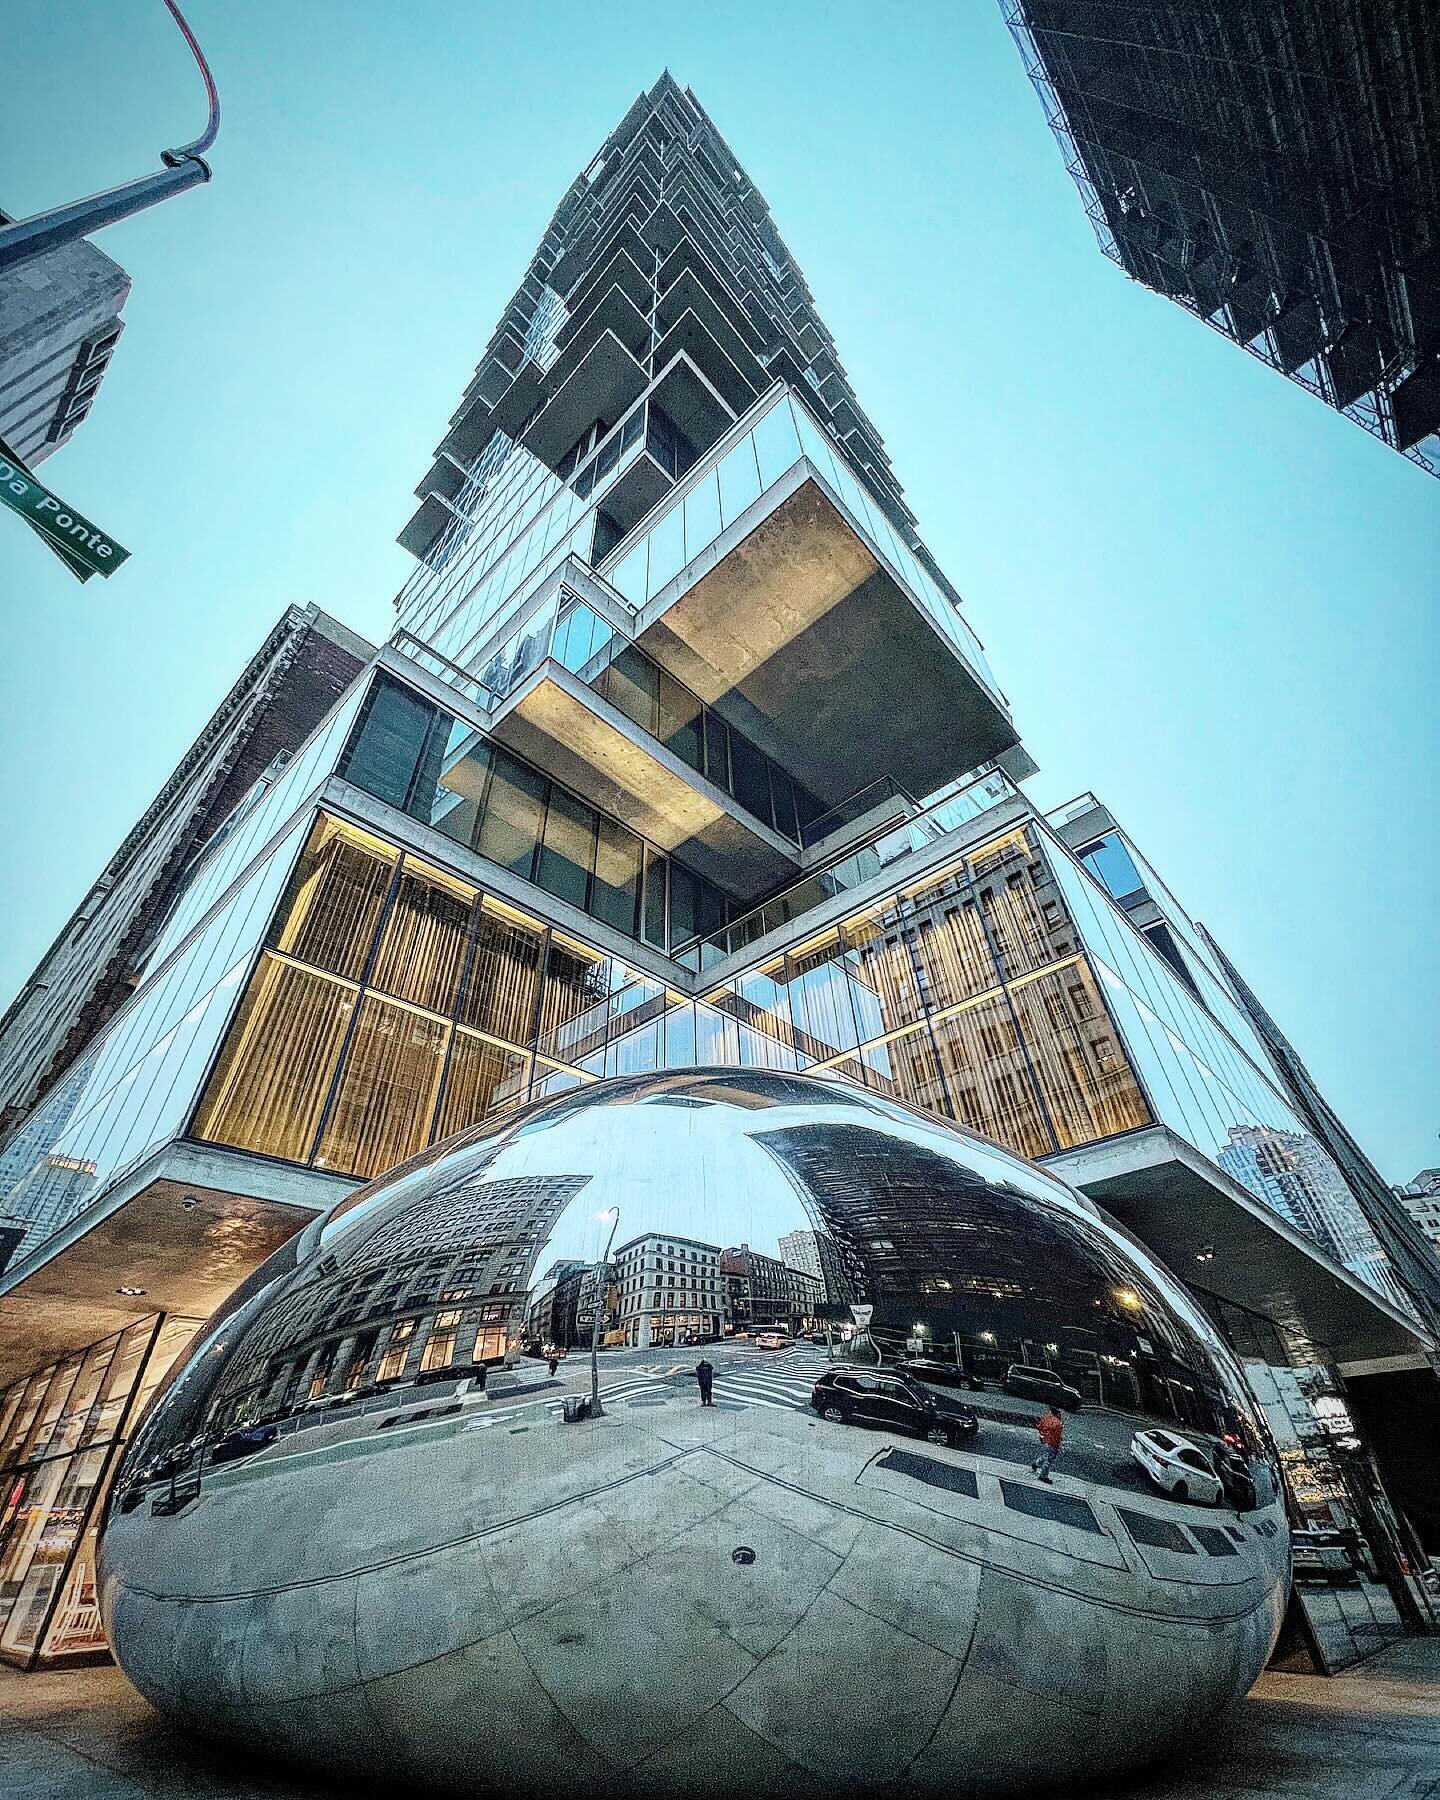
<point x="59" y="325"/>
<point x="1273" y="166"/>
<point x="1421" y="1199"/>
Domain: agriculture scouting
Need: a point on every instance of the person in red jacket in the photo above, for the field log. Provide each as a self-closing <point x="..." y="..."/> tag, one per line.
<point x="1052" y="1434"/>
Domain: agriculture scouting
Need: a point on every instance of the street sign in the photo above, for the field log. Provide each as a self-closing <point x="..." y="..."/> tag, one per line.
<point x="82" y="546"/>
<point x="861" y="1315"/>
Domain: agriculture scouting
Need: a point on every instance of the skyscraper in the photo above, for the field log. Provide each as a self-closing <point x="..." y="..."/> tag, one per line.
<point x="682" y="753"/>
<point x="1271" y="166"/>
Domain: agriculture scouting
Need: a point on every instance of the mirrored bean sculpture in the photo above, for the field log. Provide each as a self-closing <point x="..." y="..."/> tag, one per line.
<point x="719" y="1432"/>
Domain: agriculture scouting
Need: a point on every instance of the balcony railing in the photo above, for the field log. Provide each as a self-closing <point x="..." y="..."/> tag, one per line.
<point x="935" y="822"/>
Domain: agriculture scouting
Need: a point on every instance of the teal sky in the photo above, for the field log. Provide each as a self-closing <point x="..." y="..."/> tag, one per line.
<point x="1208" y="598"/>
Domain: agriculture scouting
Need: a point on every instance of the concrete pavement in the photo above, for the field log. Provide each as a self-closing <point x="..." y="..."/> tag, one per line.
<point x="1371" y="1734"/>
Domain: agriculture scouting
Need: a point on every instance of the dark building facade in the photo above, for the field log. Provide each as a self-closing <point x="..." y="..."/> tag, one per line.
<point x="1273" y="166"/>
<point x="59" y="325"/>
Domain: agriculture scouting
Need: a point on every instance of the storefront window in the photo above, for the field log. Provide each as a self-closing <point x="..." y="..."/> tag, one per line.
<point x="51" y="1476"/>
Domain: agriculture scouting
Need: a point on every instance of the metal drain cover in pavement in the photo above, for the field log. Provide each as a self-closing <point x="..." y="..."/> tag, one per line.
<point x="648" y="1400"/>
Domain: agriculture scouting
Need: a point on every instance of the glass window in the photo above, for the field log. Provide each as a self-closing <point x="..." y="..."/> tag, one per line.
<point x="680" y="721"/>
<point x="684" y="904"/>
<point x="387" y="1091"/>
<point x="782" y="795"/>
<point x="453" y="803"/>
<point x="422" y="947"/>
<point x="500" y="990"/>
<point x="1084" y="1074"/>
<point x="628" y="575"/>
<point x="751" y="776"/>
<point x="269" y="1088"/>
<point x="739" y="480"/>
<point x="667" y="550"/>
<point x="481" y="1076"/>
<point x="391" y="733"/>
<point x="1111" y="863"/>
<point x="576" y="983"/>
<point x="652" y="919"/>
<point x="617" y="876"/>
<point x="632" y="685"/>
<point x="717" y="749"/>
<point x="702" y="515"/>
<point x="335" y="896"/>
<point x="567" y="853"/>
<point x="983" y="1071"/>
<point x="514" y="807"/>
<point x="777" y="444"/>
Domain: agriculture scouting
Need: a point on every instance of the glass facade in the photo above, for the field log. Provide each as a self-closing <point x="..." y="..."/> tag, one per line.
<point x="60" y="1430"/>
<point x="394" y="1005"/>
<point x="1206" y="1076"/>
<point x="416" y="756"/>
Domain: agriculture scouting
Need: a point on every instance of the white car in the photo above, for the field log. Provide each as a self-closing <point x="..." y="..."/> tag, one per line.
<point x="773" y="1340"/>
<point x="1177" y="1467"/>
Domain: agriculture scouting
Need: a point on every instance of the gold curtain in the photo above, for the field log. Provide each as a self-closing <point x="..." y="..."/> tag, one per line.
<point x="422" y="949"/>
<point x="387" y="1092"/>
<point x="480" y="1074"/>
<point x="269" y="1087"/>
<point x="335" y="899"/>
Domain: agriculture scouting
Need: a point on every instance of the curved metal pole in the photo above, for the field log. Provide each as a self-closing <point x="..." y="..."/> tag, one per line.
<point x="184" y="168"/>
<point x="187" y="152"/>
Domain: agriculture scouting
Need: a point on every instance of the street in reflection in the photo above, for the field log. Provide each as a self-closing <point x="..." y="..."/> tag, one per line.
<point x="949" y="1406"/>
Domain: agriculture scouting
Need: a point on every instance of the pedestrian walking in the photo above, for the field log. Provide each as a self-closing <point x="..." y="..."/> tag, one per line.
<point x="554" y="1365"/>
<point x="705" y="1375"/>
<point x="1052" y="1434"/>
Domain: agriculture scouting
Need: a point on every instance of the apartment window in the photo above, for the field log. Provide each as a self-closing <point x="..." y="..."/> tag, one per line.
<point x="567" y="852"/>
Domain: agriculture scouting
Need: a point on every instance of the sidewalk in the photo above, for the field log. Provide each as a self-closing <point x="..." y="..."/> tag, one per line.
<point x="1372" y="1734"/>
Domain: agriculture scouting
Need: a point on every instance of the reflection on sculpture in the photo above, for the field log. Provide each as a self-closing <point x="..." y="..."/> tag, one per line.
<point x="360" y="1527"/>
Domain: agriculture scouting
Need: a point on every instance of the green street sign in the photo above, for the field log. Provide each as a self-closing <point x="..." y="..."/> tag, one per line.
<point x="82" y="546"/>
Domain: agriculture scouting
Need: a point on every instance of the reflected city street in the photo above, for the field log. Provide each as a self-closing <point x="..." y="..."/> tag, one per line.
<point x="365" y="1521"/>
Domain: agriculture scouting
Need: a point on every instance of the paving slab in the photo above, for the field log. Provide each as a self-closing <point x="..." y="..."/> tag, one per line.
<point x="1370" y="1734"/>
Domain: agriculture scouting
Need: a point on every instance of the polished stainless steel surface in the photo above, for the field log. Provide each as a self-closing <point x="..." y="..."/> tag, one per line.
<point x="347" y="1530"/>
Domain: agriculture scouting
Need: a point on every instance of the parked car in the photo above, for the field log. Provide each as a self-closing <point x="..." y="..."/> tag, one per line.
<point x="1320" y="1555"/>
<point x="891" y="1402"/>
<point x="924" y="1368"/>
<point x="773" y="1340"/>
<point x="1177" y="1467"/>
<point x="244" y="1442"/>
<point x="1041" y="1384"/>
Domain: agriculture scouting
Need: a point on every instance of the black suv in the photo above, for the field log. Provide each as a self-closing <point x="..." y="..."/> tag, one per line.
<point x="892" y="1402"/>
<point x="1041" y="1384"/>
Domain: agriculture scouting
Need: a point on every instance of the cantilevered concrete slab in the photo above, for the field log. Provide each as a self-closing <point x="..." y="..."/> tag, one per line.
<point x="1178" y="1203"/>
<point x="559" y="724"/>
<point x="793" y="627"/>
<point x="595" y="379"/>
<point x="184" y="1258"/>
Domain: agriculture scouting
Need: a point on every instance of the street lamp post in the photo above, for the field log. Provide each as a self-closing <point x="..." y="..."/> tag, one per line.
<point x="185" y="167"/>
<point x="597" y="1411"/>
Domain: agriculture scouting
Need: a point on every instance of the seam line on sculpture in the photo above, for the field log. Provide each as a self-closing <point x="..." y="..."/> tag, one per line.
<point x="1054" y="1587"/>
<point x="390" y="1562"/>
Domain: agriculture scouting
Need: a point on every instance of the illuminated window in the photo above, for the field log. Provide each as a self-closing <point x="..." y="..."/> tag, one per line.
<point x="392" y="1363"/>
<point x="269" y="1088"/>
<point x="335" y="897"/>
<point x="439" y="1350"/>
<point x="386" y="1099"/>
